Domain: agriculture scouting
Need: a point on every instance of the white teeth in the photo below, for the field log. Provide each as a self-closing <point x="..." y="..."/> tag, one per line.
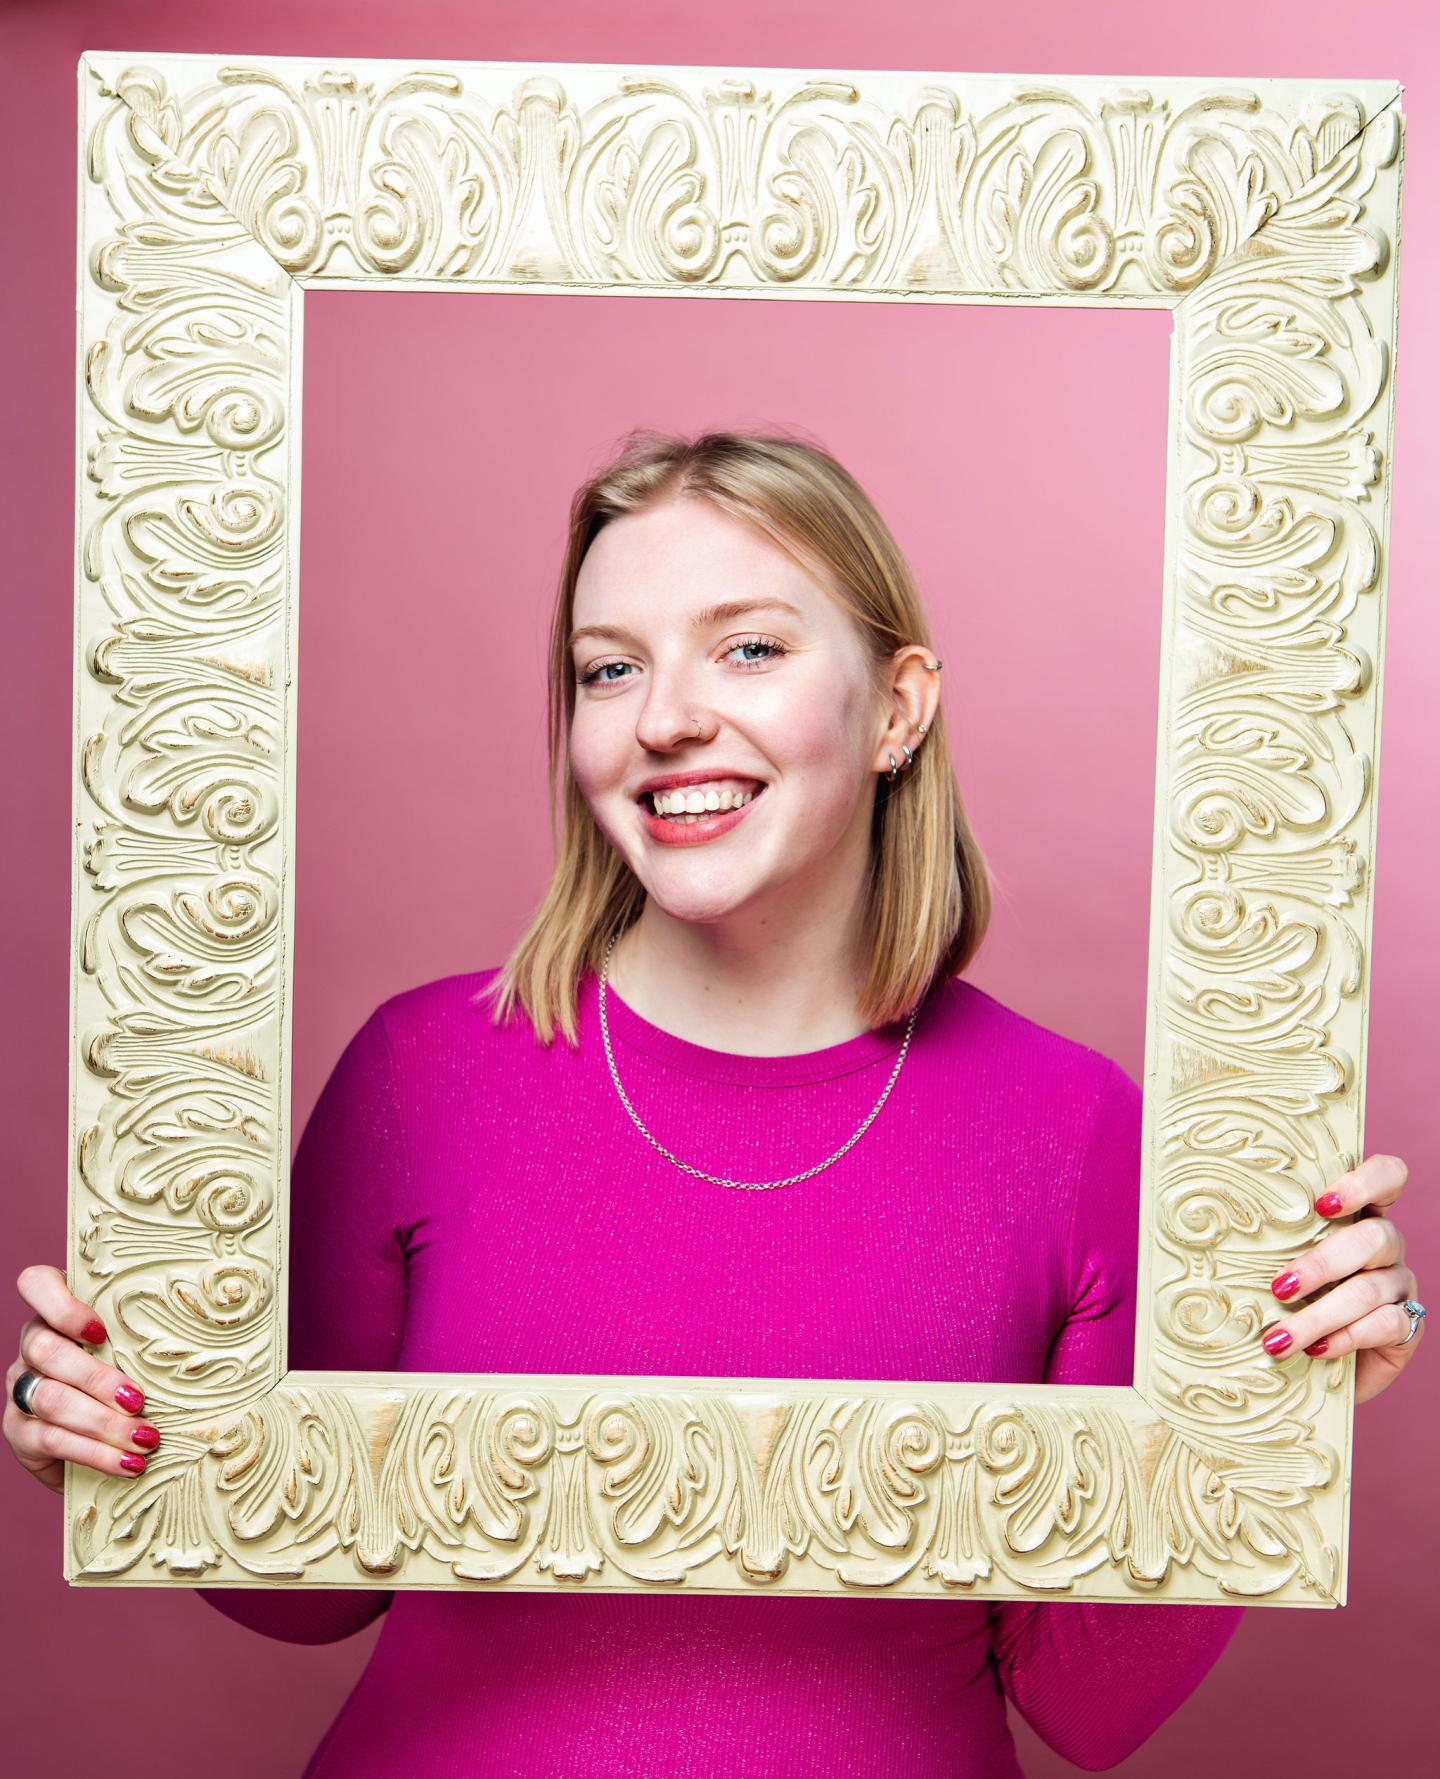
<point x="693" y="802"/>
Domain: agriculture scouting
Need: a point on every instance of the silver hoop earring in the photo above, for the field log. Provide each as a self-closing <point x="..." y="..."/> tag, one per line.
<point x="895" y="770"/>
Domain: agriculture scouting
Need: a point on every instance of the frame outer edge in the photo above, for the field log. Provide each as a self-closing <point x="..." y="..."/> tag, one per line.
<point x="1138" y="1410"/>
<point x="1393" y="222"/>
<point x="84" y="92"/>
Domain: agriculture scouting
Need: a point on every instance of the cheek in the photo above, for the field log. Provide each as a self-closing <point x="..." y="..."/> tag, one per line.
<point x="821" y="753"/>
<point x="820" y="743"/>
<point x="597" y="755"/>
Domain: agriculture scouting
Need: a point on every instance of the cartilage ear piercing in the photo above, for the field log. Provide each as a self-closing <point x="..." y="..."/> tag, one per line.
<point x="922" y="728"/>
<point x="935" y="665"/>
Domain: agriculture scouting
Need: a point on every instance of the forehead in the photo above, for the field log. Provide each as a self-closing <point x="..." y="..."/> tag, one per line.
<point x="681" y="554"/>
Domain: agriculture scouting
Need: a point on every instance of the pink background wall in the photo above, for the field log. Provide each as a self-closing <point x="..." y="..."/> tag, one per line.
<point x="443" y="436"/>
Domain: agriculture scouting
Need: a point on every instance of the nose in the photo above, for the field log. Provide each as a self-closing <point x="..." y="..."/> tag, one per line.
<point x="670" y="715"/>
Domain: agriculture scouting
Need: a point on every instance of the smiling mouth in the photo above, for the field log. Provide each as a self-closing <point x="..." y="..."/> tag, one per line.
<point x="689" y="804"/>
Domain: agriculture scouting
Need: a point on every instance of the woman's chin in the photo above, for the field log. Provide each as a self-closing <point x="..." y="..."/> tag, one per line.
<point x="697" y="901"/>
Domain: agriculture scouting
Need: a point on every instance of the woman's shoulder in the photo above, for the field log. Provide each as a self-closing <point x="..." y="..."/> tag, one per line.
<point x="439" y="1041"/>
<point x="969" y="1019"/>
<point x="457" y="1011"/>
<point x="1060" y="1110"/>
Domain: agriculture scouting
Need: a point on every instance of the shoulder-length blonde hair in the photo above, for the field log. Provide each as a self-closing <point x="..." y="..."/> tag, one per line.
<point x="928" y="896"/>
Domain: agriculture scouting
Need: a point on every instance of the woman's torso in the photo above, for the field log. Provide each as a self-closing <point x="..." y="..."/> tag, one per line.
<point x="505" y="1215"/>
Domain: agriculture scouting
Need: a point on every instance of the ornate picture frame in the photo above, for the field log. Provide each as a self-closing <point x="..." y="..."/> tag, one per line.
<point x="212" y="194"/>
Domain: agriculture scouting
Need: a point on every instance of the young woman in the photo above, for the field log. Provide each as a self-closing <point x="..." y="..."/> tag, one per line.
<point x="733" y="1056"/>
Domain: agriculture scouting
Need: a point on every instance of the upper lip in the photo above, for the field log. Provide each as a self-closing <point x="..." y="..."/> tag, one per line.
<point x="664" y="781"/>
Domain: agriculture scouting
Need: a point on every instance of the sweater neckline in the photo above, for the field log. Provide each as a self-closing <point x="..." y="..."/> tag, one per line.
<point x="629" y="1028"/>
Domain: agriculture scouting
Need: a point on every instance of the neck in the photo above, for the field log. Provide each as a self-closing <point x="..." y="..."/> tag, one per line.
<point x="775" y="983"/>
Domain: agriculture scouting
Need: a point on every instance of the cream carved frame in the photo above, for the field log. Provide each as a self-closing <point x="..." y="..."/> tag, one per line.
<point x="212" y="194"/>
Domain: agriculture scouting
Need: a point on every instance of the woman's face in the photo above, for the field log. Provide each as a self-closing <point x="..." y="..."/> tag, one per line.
<point x="782" y="693"/>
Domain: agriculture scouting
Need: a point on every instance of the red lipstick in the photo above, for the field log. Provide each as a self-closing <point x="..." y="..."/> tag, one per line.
<point x="710" y="827"/>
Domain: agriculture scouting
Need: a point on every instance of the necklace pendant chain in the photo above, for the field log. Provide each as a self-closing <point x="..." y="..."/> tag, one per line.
<point x="717" y="1179"/>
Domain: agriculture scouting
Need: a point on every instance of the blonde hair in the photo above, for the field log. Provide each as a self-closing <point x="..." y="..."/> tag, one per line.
<point x="928" y="894"/>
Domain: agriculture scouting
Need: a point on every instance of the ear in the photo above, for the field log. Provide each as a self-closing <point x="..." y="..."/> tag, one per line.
<point x="913" y="699"/>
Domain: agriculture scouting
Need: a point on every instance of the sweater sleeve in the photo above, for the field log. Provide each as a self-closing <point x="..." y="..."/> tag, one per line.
<point x="346" y="1265"/>
<point x="1095" y="1681"/>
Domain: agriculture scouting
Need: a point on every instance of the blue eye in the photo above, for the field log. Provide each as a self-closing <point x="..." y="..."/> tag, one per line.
<point x="593" y="673"/>
<point x="774" y="650"/>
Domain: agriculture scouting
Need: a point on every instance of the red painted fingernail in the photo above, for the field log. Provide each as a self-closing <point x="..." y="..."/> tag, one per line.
<point x="133" y="1462"/>
<point x="93" y="1331"/>
<point x="1286" y="1285"/>
<point x="1328" y="1204"/>
<point x="149" y="1437"/>
<point x="1320" y="1346"/>
<point x="130" y="1398"/>
<point x="1276" y="1340"/>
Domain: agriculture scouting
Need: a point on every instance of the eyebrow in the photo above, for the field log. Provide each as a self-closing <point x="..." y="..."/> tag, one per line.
<point x="712" y="614"/>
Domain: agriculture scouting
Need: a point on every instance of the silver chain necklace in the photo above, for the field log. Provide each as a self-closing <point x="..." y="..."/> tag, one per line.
<point x="716" y="1179"/>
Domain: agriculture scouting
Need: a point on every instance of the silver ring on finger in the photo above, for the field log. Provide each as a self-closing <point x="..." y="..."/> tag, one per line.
<point x="1416" y="1312"/>
<point x="29" y="1382"/>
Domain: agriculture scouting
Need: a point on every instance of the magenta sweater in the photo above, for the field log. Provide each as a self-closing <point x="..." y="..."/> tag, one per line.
<point x="464" y="1199"/>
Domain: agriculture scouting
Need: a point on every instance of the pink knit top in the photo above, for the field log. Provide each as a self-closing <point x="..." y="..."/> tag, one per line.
<point x="466" y="1199"/>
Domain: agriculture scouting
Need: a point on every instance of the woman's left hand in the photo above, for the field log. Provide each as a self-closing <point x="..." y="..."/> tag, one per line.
<point x="1362" y="1313"/>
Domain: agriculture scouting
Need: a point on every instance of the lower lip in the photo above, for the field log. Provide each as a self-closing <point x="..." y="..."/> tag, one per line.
<point x="695" y="833"/>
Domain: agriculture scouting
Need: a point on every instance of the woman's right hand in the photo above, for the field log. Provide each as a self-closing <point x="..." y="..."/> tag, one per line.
<point x="84" y="1410"/>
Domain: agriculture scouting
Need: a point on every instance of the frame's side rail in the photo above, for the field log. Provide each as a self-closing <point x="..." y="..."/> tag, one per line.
<point x="178" y="1083"/>
<point x="1263" y="904"/>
